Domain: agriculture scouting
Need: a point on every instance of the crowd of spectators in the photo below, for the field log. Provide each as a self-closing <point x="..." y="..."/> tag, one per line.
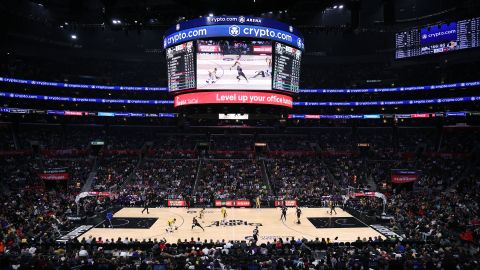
<point x="411" y="139"/>
<point x="18" y="172"/>
<point x="440" y="212"/>
<point x="113" y="172"/>
<point x="231" y="179"/>
<point x="6" y="139"/>
<point x="32" y="218"/>
<point x="462" y="140"/>
<point x="348" y="171"/>
<point x="335" y="139"/>
<point x="287" y="143"/>
<point x="78" y="170"/>
<point x="166" y="178"/>
<point x="279" y="254"/>
<point x="303" y="179"/>
<point x="235" y="143"/>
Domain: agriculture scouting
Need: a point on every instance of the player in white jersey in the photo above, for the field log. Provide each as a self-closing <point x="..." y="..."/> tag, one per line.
<point x="171" y="225"/>
<point x="212" y="76"/>
<point x="269" y="65"/>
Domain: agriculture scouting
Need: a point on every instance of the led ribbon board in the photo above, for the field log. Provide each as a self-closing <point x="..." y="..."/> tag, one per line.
<point x="233" y="26"/>
<point x="309" y="90"/>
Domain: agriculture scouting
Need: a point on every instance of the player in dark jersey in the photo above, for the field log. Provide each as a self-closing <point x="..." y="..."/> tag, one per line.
<point x="239" y="69"/>
<point x="196" y="224"/>
<point x="255" y="234"/>
<point x="299" y="213"/>
<point x="145" y="206"/>
<point x="284" y="213"/>
<point x="331" y="204"/>
<point x="266" y="72"/>
<point x="259" y="73"/>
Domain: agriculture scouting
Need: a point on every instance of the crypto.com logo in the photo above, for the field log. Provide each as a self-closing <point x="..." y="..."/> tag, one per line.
<point x="299" y="43"/>
<point x="234" y="30"/>
<point x="241" y="19"/>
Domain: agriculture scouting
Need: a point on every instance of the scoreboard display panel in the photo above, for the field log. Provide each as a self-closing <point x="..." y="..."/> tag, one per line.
<point x="181" y="66"/>
<point x="440" y="38"/>
<point x="286" y="72"/>
<point x="239" y="60"/>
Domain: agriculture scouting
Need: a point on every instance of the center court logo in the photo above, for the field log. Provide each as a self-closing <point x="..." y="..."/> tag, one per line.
<point x="233" y="222"/>
<point x="234" y="30"/>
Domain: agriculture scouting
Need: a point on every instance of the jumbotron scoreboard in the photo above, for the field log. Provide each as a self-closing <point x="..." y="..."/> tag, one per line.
<point x="233" y="60"/>
<point x="435" y="39"/>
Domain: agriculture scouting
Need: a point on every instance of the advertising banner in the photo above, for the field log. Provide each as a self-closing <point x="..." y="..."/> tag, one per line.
<point x="233" y="203"/>
<point x="288" y="203"/>
<point x="233" y="31"/>
<point x="177" y="203"/>
<point x="438" y="33"/>
<point x="233" y="97"/>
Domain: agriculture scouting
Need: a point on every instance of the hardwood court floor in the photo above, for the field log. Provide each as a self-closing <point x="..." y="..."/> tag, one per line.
<point x="242" y="221"/>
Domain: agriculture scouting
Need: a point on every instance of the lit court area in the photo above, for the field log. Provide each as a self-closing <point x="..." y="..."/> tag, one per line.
<point x="239" y="225"/>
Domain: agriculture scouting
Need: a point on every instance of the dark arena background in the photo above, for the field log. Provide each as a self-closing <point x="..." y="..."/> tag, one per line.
<point x="256" y="134"/>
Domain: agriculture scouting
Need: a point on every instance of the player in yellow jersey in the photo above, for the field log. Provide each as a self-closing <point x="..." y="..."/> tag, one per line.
<point x="171" y="225"/>
<point x="224" y="215"/>
<point x="202" y="214"/>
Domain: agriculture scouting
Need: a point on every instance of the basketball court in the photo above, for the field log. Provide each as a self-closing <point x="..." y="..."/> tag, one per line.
<point x="239" y="224"/>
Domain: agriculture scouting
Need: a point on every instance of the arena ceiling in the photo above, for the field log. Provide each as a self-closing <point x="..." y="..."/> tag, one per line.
<point x="167" y="12"/>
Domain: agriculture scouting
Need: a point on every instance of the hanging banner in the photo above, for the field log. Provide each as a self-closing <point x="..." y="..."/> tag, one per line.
<point x="403" y="176"/>
<point x="54" y="174"/>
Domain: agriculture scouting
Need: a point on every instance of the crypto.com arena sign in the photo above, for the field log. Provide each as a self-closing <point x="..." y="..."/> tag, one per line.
<point x="232" y="27"/>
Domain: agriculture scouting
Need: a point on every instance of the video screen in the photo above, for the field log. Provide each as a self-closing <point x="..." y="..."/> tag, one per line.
<point x="234" y="65"/>
<point x="440" y="38"/>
